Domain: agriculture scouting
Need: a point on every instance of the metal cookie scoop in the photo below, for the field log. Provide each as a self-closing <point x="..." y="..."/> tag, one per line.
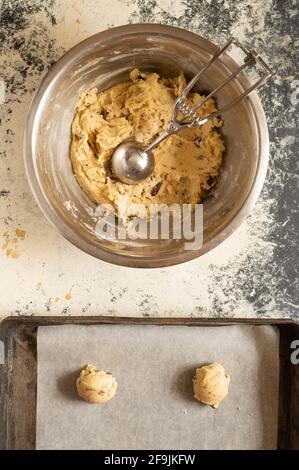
<point x="132" y="162"/>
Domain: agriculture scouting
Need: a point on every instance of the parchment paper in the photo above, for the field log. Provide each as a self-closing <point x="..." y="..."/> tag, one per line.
<point x="154" y="407"/>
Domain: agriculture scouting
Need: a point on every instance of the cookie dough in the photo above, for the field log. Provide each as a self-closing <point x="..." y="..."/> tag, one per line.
<point x="187" y="164"/>
<point x="210" y="384"/>
<point x="96" y="386"/>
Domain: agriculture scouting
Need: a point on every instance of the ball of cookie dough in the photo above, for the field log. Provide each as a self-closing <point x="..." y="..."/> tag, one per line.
<point x="96" y="386"/>
<point x="210" y="384"/>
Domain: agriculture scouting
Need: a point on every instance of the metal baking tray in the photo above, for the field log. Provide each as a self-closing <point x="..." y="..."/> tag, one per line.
<point x="18" y="373"/>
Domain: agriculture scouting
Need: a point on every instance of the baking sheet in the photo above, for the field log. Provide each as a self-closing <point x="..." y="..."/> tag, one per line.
<point x="153" y="407"/>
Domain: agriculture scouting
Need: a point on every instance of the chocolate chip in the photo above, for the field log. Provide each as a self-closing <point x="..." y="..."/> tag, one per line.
<point x="197" y="142"/>
<point x="156" y="189"/>
<point x="211" y="180"/>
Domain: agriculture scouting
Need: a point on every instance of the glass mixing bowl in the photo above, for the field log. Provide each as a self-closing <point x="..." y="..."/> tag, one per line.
<point x="102" y="61"/>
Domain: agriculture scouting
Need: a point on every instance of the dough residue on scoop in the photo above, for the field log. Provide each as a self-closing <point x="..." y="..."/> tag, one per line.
<point x="187" y="164"/>
<point x="96" y="386"/>
<point x="210" y="384"/>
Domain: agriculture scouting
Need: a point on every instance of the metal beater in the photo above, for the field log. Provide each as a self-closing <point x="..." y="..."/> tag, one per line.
<point x="132" y="162"/>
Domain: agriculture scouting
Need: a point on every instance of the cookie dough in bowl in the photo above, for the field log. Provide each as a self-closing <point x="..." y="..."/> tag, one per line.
<point x="186" y="165"/>
<point x="103" y="62"/>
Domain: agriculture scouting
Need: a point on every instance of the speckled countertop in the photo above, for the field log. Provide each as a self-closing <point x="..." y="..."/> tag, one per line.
<point x="253" y="273"/>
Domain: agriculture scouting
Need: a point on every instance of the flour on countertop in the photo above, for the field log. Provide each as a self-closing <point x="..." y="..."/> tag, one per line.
<point x="252" y="273"/>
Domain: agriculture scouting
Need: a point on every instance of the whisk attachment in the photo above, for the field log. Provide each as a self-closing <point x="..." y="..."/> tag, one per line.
<point x="190" y="114"/>
<point x="132" y="164"/>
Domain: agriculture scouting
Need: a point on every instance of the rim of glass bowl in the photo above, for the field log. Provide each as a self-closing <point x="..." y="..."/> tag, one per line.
<point x="129" y="260"/>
